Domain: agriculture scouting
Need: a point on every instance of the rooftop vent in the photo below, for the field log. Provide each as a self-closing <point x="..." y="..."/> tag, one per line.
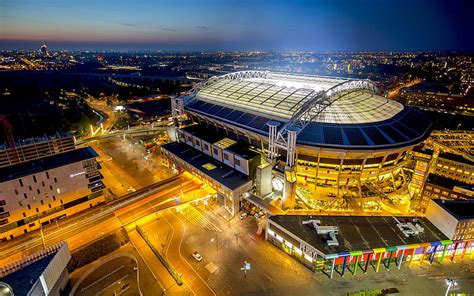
<point x="409" y="229"/>
<point x="331" y="231"/>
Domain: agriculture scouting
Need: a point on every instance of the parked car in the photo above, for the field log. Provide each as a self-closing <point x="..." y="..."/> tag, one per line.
<point x="197" y="256"/>
<point x="243" y="216"/>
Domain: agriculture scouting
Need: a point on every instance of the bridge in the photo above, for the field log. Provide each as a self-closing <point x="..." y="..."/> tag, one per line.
<point x="137" y="131"/>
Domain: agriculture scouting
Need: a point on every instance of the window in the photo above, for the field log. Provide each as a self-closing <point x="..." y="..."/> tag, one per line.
<point x="24" y="214"/>
<point x="29" y="187"/>
<point x="47" y="175"/>
<point x="61" y="201"/>
<point x="54" y="197"/>
<point x="16" y="191"/>
<point x="29" y="207"/>
<point x="42" y="183"/>
<point x="39" y="192"/>
<point x="50" y="187"/>
<point x="42" y="203"/>
<point x="34" y="178"/>
<point x="55" y="180"/>
<point x="37" y="210"/>
<point x="21" y="182"/>
<point x="49" y="205"/>
<point x="25" y="195"/>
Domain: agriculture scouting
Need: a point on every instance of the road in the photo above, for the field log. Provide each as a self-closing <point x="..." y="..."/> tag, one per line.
<point x="93" y="224"/>
<point x="227" y="244"/>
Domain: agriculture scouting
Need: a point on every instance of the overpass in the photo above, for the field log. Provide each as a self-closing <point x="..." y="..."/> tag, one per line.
<point x="137" y="131"/>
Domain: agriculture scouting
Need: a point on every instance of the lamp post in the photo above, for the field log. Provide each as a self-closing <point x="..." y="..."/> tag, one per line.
<point x="450" y="283"/>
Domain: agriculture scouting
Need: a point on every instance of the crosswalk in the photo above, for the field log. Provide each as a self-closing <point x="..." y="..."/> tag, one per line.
<point x="197" y="219"/>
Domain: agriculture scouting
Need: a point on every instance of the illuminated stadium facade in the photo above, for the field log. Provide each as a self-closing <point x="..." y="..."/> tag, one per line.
<point x="319" y="139"/>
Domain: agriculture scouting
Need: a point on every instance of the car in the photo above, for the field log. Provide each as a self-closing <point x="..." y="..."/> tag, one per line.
<point x="243" y="216"/>
<point x="197" y="256"/>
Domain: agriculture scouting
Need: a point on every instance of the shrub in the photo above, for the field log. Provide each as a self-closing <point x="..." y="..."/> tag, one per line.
<point x="96" y="249"/>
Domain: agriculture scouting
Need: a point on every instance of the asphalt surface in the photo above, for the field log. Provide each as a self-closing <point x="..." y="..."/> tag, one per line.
<point x="227" y="244"/>
<point x="120" y="275"/>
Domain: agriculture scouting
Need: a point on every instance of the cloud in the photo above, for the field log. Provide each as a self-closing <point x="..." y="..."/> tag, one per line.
<point x="128" y="24"/>
<point x="166" y="29"/>
<point x="202" y="28"/>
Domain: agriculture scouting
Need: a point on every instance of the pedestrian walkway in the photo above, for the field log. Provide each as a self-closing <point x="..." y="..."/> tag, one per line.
<point x="197" y="219"/>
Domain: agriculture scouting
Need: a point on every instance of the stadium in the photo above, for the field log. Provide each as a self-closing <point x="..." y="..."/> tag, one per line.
<point x="294" y="141"/>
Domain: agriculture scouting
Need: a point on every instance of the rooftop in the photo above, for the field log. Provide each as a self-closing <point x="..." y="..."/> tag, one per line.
<point x="459" y="209"/>
<point x="47" y="163"/>
<point x="422" y="149"/>
<point x="23" y="280"/>
<point x="455" y="157"/>
<point x="211" y="167"/>
<point x="218" y="138"/>
<point x="448" y="183"/>
<point x="358" y="233"/>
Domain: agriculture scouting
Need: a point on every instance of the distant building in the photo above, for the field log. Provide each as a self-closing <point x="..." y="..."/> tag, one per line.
<point x="455" y="167"/>
<point x="455" y="218"/>
<point x="436" y="101"/>
<point x="43" y="50"/>
<point x="39" y="191"/>
<point x="35" y="148"/>
<point x="41" y="273"/>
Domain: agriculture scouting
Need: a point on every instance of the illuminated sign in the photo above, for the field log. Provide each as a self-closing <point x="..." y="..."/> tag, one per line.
<point x="308" y="250"/>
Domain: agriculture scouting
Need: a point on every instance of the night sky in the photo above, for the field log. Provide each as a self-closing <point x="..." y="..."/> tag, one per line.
<point x="370" y="25"/>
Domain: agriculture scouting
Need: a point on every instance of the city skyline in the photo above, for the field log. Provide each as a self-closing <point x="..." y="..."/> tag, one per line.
<point x="214" y="25"/>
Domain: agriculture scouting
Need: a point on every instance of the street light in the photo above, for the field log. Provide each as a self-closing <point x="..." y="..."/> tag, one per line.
<point x="450" y="283"/>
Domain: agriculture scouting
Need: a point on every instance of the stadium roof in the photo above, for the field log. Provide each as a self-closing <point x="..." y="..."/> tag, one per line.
<point x="356" y="117"/>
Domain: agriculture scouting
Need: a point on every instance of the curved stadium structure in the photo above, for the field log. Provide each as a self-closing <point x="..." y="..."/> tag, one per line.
<point x="322" y="138"/>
